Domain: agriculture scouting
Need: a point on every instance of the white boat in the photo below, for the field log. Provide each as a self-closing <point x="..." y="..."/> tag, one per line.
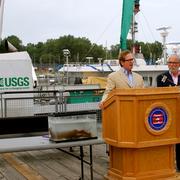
<point x="149" y="72"/>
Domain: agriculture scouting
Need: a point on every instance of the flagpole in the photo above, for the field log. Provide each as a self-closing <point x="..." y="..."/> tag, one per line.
<point x="1" y="18"/>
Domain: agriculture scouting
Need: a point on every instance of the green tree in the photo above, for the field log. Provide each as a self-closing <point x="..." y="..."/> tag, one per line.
<point x="114" y="51"/>
<point x="51" y="51"/>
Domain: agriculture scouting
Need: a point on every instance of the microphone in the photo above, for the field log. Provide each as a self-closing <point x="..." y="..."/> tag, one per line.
<point x="164" y="78"/>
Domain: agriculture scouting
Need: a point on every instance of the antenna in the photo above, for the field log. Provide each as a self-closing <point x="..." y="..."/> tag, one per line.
<point x="164" y="33"/>
<point x="163" y="28"/>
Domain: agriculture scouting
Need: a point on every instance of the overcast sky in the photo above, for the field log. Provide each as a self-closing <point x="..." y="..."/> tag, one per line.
<point x="99" y="20"/>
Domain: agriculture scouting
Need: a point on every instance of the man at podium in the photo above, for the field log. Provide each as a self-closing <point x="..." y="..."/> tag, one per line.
<point x="124" y="77"/>
<point x="172" y="78"/>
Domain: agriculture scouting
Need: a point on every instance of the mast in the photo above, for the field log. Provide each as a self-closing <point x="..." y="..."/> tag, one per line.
<point x="127" y="14"/>
<point x="130" y="9"/>
<point x="134" y="27"/>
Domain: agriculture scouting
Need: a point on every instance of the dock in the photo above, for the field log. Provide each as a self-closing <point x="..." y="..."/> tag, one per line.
<point x="31" y="162"/>
<point x="54" y="164"/>
<point x="51" y="164"/>
<point x="47" y="163"/>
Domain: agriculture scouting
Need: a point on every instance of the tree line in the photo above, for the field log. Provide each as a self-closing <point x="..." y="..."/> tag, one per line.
<point x="51" y="51"/>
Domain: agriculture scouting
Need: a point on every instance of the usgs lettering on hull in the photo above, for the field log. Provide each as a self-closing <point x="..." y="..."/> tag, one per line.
<point x="16" y="75"/>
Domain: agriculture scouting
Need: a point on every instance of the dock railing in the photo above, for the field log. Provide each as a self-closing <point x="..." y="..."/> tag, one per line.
<point x="34" y="103"/>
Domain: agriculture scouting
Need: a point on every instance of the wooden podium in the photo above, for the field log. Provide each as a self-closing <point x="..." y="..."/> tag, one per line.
<point x="142" y="127"/>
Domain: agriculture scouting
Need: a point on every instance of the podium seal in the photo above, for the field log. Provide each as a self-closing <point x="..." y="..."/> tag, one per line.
<point x="157" y="119"/>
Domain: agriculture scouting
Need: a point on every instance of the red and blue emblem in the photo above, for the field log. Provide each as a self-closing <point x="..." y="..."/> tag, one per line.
<point x="157" y="119"/>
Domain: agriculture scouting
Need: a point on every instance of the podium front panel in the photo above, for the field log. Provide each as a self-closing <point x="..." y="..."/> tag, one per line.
<point x="142" y="117"/>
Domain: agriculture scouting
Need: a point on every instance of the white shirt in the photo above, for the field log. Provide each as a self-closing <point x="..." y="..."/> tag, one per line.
<point x="175" y="79"/>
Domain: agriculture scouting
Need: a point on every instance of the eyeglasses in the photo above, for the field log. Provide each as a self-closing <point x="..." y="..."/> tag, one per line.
<point x="128" y="60"/>
<point x="173" y="62"/>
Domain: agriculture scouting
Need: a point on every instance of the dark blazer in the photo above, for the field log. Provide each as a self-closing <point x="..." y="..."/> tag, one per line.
<point x="165" y="79"/>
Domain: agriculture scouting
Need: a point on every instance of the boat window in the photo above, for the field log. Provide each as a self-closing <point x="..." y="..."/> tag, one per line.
<point x="147" y="81"/>
<point x="114" y="63"/>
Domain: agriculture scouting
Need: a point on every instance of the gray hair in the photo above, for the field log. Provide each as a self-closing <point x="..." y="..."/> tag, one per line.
<point x="174" y="56"/>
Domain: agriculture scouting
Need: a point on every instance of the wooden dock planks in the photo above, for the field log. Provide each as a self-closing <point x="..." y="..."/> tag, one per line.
<point x="52" y="164"/>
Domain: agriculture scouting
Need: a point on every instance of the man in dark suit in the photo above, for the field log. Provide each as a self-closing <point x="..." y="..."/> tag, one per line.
<point x="172" y="78"/>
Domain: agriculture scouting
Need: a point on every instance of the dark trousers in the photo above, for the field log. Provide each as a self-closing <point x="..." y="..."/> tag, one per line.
<point x="178" y="156"/>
